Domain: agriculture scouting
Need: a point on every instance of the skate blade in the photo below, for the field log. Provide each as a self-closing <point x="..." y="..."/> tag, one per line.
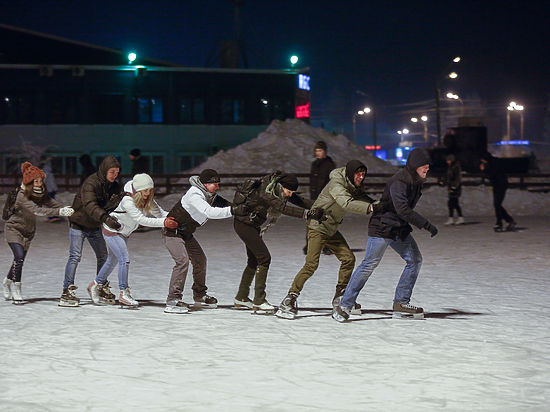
<point x="68" y="305"/>
<point x="405" y="315"/>
<point x="205" y="305"/>
<point x="107" y="302"/>
<point x="263" y="312"/>
<point x="173" y="312"/>
<point x="241" y="307"/>
<point x="18" y="302"/>
<point x="285" y="315"/>
<point x="131" y="307"/>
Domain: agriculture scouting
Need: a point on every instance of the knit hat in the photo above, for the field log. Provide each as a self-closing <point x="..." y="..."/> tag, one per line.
<point x="320" y="145"/>
<point x="31" y="172"/>
<point x="289" y="181"/>
<point x="142" y="181"/>
<point x="352" y="167"/>
<point x="135" y="152"/>
<point x="209" y="176"/>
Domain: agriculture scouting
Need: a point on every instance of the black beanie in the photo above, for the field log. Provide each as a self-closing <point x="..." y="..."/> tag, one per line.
<point x="209" y="176"/>
<point x="135" y="152"/>
<point x="320" y="145"/>
<point x="352" y="167"/>
<point x="289" y="181"/>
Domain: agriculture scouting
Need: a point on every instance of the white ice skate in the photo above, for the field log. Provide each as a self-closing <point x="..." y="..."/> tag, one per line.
<point x="288" y="309"/>
<point x="206" y="302"/>
<point x="449" y="221"/>
<point x="93" y="291"/>
<point x="459" y="221"/>
<point x="407" y="311"/>
<point x="340" y="314"/>
<point x="176" y="306"/>
<point x="6" y="286"/>
<point x="16" y="293"/>
<point x="243" y="304"/>
<point x="265" y="308"/>
<point x="126" y="300"/>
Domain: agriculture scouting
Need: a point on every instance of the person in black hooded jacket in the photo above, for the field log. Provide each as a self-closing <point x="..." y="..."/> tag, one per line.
<point x="392" y="227"/>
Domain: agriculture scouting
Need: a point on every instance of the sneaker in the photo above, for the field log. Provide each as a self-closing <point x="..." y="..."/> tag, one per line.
<point x="206" y="302"/>
<point x="288" y="307"/>
<point x="6" y="285"/>
<point x="176" y="306"/>
<point x="16" y="293"/>
<point x="105" y="295"/>
<point x="406" y="310"/>
<point x="93" y="291"/>
<point x="265" y="307"/>
<point x="68" y="297"/>
<point x="459" y="221"/>
<point x="340" y="314"/>
<point x="511" y="226"/>
<point x="243" y="304"/>
<point x="126" y="300"/>
<point x="450" y="221"/>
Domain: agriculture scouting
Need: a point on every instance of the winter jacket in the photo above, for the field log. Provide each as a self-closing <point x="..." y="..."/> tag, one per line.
<point x="402" y="193"/>
<point x="268" y="199"/>
<point x="320" y="175"/>
<point x="340" y="196"/>
<point x="194" y="209"/>
<point x="130" y="216"/>
<point x="454" y="179"/>
<point x="96" y="198"/>
<point x="25" y="211"/>
<point x="494" y="171"/>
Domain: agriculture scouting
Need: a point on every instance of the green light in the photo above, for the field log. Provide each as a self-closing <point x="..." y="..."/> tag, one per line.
<point x="294" y="60"/>
<point x="131" y="57"/>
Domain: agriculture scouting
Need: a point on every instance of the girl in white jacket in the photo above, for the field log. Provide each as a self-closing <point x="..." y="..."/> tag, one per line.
<point x="130" y="213"/>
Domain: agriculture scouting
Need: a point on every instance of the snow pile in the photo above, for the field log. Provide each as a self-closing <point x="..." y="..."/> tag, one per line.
<point x="288" y="145"/>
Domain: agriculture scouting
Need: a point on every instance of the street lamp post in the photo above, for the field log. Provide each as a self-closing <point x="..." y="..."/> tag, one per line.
<point x="364" y="112"/>
<point x="424" y="120"/>
<point x="452" y="75"/>
<point x="514" y="107"/>
<point x="354" y="122"/>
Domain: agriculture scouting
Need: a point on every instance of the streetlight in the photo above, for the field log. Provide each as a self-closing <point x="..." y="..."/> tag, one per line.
<point x="354" y="122"/>
<point x="131" y="57"/>
<point x="452" y="96"/>
<point x="364" y="112"/>
<point x="424" y="119"/>
<point x="452" y="75"/>
<point x="293" y="60"/>
<point x="514" y="107"/>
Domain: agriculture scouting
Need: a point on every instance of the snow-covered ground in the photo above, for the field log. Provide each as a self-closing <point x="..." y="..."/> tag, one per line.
<point x="484" y="345"/>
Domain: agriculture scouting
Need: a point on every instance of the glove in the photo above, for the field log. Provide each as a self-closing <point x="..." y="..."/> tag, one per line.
<point x="170" y="223"/>
<point x="431" y="228"/>
<point x="66" y="211"/>
<point x="112" y="223"/>
<point x="377" y="207"/>
<point x="316" y="213"/>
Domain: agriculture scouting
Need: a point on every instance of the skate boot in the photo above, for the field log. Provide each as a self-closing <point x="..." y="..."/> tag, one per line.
<point x="16" y="293"/>
<point x="288" y="307"/>
<point x="498" y="228"/>
<point x="340" y="314"/>
<point x="459" y="221"/>
<point x="105" y="295"/>
<point x="406" y="310"/>
<point x="126" y="300"/>
<point x="449" y="221"/>
<point x="175" y="306"/>
<point x="356" y="310"/>
<point x="93" y="291"/>
<point x="265" y="308"/>
<point x="243" y="304"/>
<point x="511" y="226"/>
<point x="6" y="285"/>
<point x="208" y="302"/>
<point x="69" y="298"/>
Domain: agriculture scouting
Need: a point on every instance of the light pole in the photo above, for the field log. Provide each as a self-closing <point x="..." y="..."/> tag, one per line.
<point x="451" y="75"/>
<point x="364" y="112"/>
<point x="424" y="120"/>
<point x="453" y="96"/>
<point x="514" y="107"/>
<point x="354" y="122"/>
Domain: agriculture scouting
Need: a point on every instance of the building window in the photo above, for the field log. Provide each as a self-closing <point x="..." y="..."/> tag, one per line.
<point x="191" y="110"/>
<point x="232" y="111"/>
<point x="190" y="161"/>
<point x="158" y="164"/>
<point x="108" y="108"/>
<point x="149" y="110"/>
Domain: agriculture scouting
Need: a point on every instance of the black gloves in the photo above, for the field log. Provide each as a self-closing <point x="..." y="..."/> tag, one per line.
<point x="316" y="214"/>
<point x="112" y="223"/>
<point x="431" y="228"/>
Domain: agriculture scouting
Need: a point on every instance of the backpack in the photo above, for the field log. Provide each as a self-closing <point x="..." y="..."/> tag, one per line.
<point x="9" y="206"/>
<point x="244" y="190"/>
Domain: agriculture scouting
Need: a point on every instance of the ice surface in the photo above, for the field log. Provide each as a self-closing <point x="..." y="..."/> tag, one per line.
<point x="484" y="345"/>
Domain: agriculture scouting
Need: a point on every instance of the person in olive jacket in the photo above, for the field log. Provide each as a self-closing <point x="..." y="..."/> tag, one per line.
<point x="343" y="194"/>
<point x="256" y="203"/>
<point x="392" y="227"/>
<point x="99" y="195"/>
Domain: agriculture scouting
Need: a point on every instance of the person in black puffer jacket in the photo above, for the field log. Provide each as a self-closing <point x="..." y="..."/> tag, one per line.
<point x="392" y="227"/>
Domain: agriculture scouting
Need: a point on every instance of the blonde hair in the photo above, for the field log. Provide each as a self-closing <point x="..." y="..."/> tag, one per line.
<point x="141" y="203"/>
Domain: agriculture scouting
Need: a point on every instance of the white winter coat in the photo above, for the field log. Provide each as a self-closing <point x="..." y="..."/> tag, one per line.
<point x="194" y="201"/>
<point x="130" y="216"/>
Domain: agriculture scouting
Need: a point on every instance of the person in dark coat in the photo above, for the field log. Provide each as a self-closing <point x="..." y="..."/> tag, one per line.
<point x="319" y="177"/>
<point x="492" y="169"/>
<point x="392" y="227"/>
<point x="99" y="195"/>
<point x="454" y="186"/>
<point x="88" y="167"/>
<point x="140" y="164"/>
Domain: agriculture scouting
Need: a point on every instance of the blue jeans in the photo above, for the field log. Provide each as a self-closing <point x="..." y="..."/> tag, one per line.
<point x="118" y="253"/>
<point x="376" y="246"/>
<point x="76" y="237"/>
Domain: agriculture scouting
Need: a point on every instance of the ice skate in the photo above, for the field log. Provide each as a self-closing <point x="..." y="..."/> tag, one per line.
<point x="93" y="291"/>
<point x="264" y="309"/>
<point x="207" y="302"/>
<point x="176" y="306"/>
<point x="6" y="285"/>
<point x="16" y="293"/>
<point x="288" y="307"/>
<point x="356" y="310"/>
<point x="511" y="226"/>
<point x="126" y="300"/>
<point x="243" y="304"/>
<point x="407" y="311"/>
<point x="68" y="297"/>
<point x="498" y="228"/>
<point x="105" y="295"/>
<point x="459" y="221"/>
<point x="449" y="221"/>
<point x="340" y="314"/>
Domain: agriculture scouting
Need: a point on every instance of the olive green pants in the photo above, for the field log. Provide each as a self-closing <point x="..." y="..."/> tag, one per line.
<point x="316" y="241"/>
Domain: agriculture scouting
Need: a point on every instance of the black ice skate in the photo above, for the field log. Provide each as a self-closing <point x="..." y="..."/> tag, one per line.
<point x="288" y="307"/>
<point x="106" y="297"/>
<point x="207" y="302"/>
<point x="68" y="298"/>
<point x="356" y="310"/>
<point x="407" y="311"/>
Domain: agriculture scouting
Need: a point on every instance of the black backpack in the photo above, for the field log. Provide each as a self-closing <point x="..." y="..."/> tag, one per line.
<point x="245" y="189"/>
<point x="9" y="206"/>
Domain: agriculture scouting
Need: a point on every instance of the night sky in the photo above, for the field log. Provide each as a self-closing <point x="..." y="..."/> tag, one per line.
<point x="389" y="51"/>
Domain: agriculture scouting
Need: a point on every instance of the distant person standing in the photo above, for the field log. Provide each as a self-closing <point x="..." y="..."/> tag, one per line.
<point x="49" y="182"/>
<point x="88" y="167"/>
<point x="319" y="176"/>
<point x="454" y="186"/>
<point x="140" y="164"/>
<point x="493" y="170"/>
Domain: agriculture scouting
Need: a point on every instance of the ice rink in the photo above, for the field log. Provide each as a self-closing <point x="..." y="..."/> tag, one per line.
<point x="484" y="345"/>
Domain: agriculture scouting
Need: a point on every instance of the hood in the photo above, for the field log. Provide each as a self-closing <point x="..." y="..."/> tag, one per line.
<point x="352" y="166"/>
<point x="418" y="157"/>
<point x="340" y="174"/>
<point x="107" y="163"/>
<point x="195" y="181"/>
<point x="128" y="187"/>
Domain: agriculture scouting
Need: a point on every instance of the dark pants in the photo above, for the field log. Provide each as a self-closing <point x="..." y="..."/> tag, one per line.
<point x="500" y="212"/>
<point x="453" y="205"/>
<point x="256" y="250"/>
<point x="19" y="254"/>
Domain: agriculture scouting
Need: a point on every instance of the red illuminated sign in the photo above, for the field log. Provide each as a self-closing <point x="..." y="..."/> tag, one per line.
<point x="302" y="111"/>
<point x="372" y="147"/>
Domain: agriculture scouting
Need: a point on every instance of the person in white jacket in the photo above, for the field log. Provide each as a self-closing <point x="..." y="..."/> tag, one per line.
<point x="196" y="206"/>
<point x="131" y="212"/>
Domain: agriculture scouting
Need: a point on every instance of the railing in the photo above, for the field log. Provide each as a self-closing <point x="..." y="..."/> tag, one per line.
<point x="374" y="183"/>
